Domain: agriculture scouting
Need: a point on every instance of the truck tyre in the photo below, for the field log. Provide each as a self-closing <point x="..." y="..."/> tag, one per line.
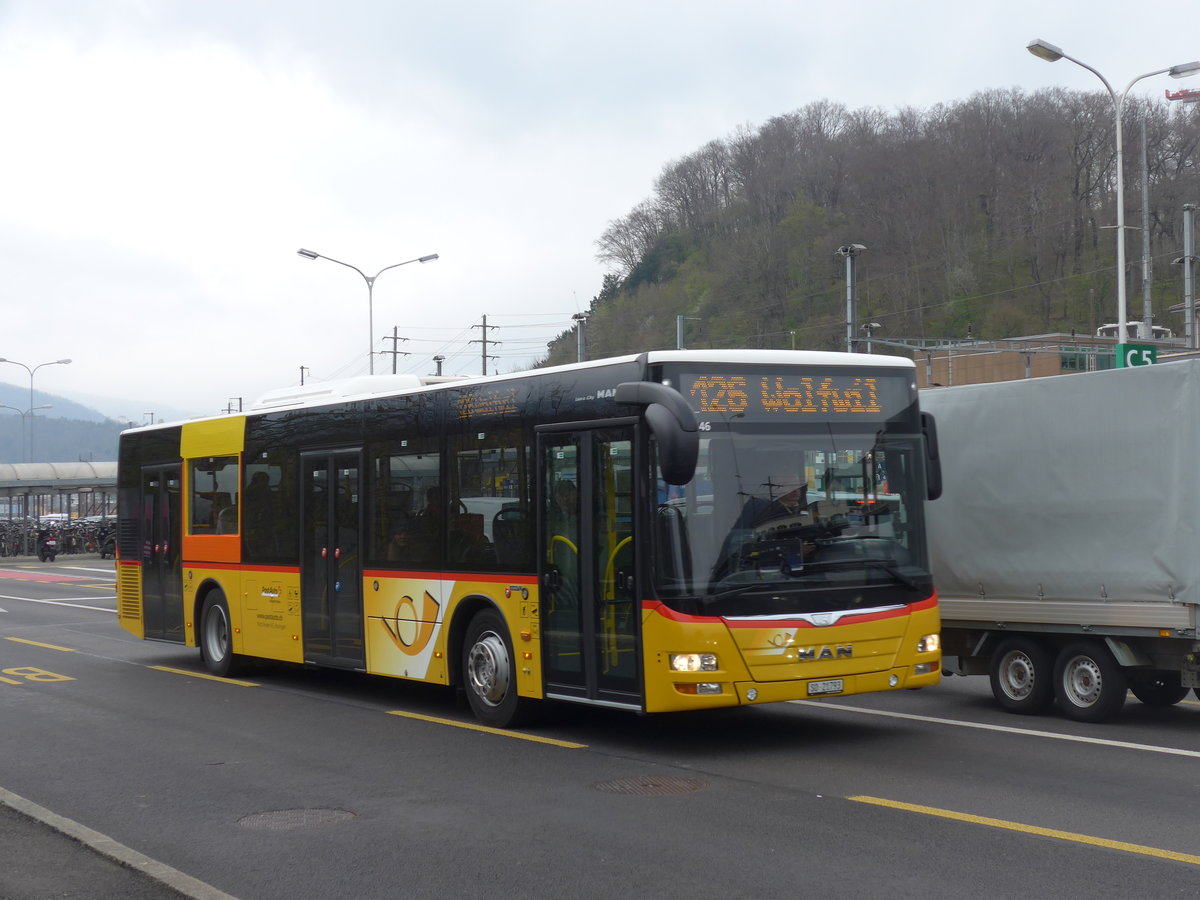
<point x="1023" y="676"/>
<point x="1090" y="685"/>
<point x="490" y="674"/>
<point x="1157" y="688"/>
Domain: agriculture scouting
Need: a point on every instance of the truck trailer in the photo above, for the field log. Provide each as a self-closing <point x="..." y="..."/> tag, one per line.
<point x="1066" y="543"/>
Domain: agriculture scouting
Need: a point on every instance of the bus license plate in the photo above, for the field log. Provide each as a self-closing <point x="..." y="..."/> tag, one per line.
<point x="825" y="687"/>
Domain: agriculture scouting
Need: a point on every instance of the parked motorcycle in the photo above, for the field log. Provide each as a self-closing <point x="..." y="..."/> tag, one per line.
<point x="47" y="546"/>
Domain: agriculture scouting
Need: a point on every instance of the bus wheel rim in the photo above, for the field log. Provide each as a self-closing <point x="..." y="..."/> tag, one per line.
<point x="216" y="634"/>
<point x="488" y="668"/>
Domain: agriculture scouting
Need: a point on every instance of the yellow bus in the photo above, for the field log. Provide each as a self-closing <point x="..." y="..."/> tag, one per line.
<point x="633" y="533"/>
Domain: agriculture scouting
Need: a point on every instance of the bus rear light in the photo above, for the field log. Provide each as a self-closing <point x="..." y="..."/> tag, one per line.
<point x="693" y="662"/>
<point x="704" y="687"/>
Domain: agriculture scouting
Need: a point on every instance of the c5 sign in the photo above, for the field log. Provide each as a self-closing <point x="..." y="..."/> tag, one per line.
<point x="1136" y="355"/>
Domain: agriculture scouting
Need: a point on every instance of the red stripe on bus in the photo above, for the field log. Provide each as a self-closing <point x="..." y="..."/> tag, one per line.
<point x="657" y="606"/>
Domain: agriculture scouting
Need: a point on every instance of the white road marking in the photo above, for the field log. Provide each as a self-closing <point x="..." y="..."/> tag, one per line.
<point x="1008" y="729"/>
<point x="65" y="601"/>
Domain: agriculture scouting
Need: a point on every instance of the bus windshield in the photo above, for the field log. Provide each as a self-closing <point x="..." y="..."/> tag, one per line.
<point x="817" y="516"/>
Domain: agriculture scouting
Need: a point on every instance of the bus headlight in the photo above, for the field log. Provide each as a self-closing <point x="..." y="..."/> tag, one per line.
<point x="930" y="643"/>
<point x="693" y="662"/>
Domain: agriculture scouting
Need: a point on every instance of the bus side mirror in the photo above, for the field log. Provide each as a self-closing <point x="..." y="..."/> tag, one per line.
<point x="933" y="463"/>
<point x="673" y="424"/>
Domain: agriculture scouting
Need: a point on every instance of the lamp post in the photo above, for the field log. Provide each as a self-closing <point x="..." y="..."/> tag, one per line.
<point x="370" y="280"/>
<point x="55" y="362"/>
<point x="1050" y="53"/>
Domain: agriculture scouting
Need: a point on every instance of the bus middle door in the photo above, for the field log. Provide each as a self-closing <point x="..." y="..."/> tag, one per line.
<point x="588" y="605"/>
<point x="331" y="561"/>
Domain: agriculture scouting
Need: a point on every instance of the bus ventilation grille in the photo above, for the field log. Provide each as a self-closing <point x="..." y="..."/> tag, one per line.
<point x="129" y="592"/>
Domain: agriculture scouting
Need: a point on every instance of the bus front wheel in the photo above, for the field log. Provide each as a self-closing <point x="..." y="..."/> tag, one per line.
<point x="489" y="673"/>
<point x="216" y="636"/>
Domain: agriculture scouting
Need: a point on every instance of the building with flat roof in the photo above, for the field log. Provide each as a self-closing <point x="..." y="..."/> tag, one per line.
<point x="1033" y="356"/>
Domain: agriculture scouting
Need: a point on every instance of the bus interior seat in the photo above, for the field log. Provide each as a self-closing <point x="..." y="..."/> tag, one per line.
<point x="512" y="537"/>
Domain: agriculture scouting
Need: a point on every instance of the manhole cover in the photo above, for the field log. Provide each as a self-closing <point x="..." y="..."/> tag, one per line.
<point x="286" y="819"/>
<point x="652" y="784"/>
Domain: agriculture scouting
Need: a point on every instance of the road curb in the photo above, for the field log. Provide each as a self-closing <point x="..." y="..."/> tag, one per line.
<point x="126" y="856"/>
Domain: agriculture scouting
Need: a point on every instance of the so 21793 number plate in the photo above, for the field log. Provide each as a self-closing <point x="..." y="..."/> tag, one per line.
<point x="816" y="688"/>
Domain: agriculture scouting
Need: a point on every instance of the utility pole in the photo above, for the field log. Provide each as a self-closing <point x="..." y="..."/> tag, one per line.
<point x="438" y="360"/>
<point x="303" y="369"/>
<point x="1188" y="261"/>
<point x="1147" y="260"/>
<point x="395" y="339"/>
<point x="484" y="341"/>
<point x="580" y="321"/>
<point x="679" y="320"/>
<point x="850" y="252"/>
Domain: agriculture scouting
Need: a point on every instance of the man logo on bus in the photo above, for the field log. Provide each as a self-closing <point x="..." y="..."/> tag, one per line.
<point x="812" y="654"/>
<point x="409" y="630"/>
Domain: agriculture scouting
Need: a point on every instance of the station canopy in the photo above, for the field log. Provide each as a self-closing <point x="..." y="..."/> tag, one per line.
<point x="18" y="479"/>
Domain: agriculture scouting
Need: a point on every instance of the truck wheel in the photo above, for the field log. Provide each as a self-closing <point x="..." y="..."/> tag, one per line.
<point x="1091" y="686"/>
<point x="1023" y="676"/>
<point x="1157" y="688"/>
<point x="489" y="673"/>
<point x="216" y="636"/>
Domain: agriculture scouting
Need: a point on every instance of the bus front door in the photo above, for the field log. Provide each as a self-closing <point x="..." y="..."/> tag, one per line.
<point x="588" y="605"/>
<point x="161" y="528"/>
<point x="331" y="564"/>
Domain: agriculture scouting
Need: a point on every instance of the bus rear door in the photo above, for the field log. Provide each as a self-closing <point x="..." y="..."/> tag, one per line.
<point x="161" y="531"/>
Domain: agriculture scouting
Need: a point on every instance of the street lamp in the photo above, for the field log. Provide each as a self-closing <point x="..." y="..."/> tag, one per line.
<point x="1050" y="53"/>
<point x="56" y="362"/>
<point x="370" y="280"/>
<point x="23" y="413"/>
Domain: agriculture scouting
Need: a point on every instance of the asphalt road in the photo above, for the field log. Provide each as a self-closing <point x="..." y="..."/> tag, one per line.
<point x="298" y="783"/>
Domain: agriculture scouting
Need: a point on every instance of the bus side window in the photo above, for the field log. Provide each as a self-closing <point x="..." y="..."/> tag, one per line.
<point x="213" y="496"/>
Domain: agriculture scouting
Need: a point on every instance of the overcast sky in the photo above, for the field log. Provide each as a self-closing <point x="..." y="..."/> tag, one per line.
<point x="163" y="161"/>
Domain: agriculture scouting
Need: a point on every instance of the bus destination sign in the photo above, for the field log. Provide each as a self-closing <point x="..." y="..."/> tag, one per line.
<point x="768" y="396"/>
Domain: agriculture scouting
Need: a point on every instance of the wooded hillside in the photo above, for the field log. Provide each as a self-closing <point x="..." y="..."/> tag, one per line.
<point x="993" y="215"/>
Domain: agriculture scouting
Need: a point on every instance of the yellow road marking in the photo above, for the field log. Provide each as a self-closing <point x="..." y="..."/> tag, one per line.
<point x="498" y="731"/>
<point x="39" y="644"/>
<point x="204" y="675"/>
<point x="1033" y="829"/>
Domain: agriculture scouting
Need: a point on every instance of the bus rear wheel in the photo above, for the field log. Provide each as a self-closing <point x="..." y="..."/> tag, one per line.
<point x="1023" y="676"/>
<point x="489" y="673"/>
<point x="1091" y="686"/>
<point x="216" y="636"/>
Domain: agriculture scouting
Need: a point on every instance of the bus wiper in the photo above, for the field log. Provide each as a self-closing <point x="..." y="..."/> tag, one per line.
<point x="907" y="580"/>
<point x="723" y="593"/>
